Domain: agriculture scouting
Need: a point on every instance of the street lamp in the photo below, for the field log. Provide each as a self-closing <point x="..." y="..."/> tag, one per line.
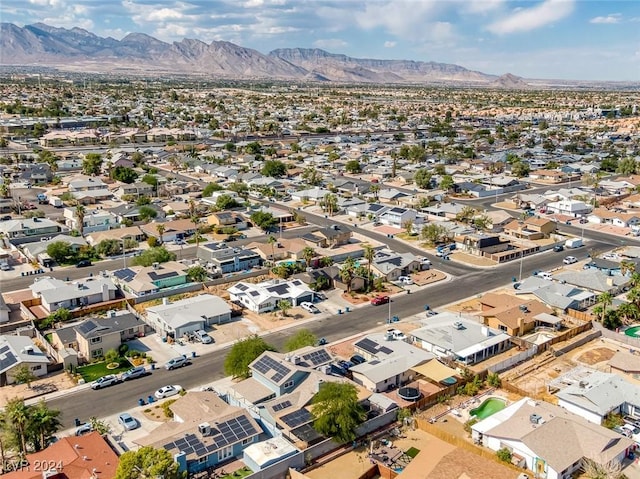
<point x="124" y="254"/>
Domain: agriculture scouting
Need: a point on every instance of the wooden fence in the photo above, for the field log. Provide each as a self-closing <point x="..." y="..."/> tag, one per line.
<point x="581" y="315"/>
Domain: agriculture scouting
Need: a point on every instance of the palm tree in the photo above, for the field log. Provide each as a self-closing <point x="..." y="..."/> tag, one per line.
<point x="284" y="305"/>
<point x="634" y="281"/>
<point x="627" y="267"/>
<point x="45" y="423"/>
<point x="347" y="272"/>
<point x="272" y="241"/>
<point x="368" y="253"/>
<point x="4" y="189"/>
<point x="192" y="208"/>
<point x="308" y="253"/>
<point x="629" y="312"/>
<point x="604" y="300"/>
<point x="80" y="212"/>
<point x="17" y="413"/>
<point x="195" y="220"/>
<point x="160" y="229"/>
<point x="374" y="189"/>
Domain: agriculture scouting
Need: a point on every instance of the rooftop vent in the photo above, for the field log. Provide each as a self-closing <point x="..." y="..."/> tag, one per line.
<point x="535" y="419"/>
<point x="524" y="308"/>
<point x="204" y="428"/>
<point x="458" y="325"/>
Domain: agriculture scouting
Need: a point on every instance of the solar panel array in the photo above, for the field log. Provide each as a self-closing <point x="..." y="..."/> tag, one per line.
<point x="228" y="432"/>
<point x="281" y="406"/>
<point x="368" y="345"/>
<point x="242" y="287"/>
<point x="156" y="276"/>
<point x="87" y="326"/>
<point x="316" y="358"/>
<point x="385" y="350"/>
<point x="7" y="358"/>
<point x="279" y="289"/>
<point x="297" y="418"/>
<point x="266" y="364"/>
<point x="124" y="274"/>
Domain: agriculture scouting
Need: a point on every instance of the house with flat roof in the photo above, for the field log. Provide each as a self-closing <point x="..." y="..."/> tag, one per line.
<point x="75" y="457"/>
<point x="17" y="351"/>
<point x="205" y="431"/>
<point x="594" y="394"/>
<point x="263" y="297"/>
<point x="93" y="337"/>
<point x="143" y="280"/>
<point x="188" y="315"/>
<point x="460" y="338"/>
<point x="228" y="259"/>
<point x="548" y="440"/>
<point x="261" y="455"/>
<point x="118" y="234"/>
<point x="389" y="361"/>
<point x="55" y="293"/>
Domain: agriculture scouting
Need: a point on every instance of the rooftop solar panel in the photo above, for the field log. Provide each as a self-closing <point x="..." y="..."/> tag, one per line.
<point x="297" y="418"/>
<point x="385" y="350"/>
<point x="282" y="405"/>
<point x="242" y="287"/>
<point x="318" y="357"/>
<point x="124" y="274"/>
<point x="368" y="345"/>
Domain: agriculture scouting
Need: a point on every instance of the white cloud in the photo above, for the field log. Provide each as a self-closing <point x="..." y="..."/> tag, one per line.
<point x="481" y="6"/>
<point x="527" y="19"/>
<point x="330" y="43"/>
<point x="47" y="3"/>
<point x="609" y="19"/>
<point x="403" y="18"/>
<point x="389" y="44"/>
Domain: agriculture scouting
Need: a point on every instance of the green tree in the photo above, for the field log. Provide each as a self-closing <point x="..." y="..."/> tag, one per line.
<point x="109" y="247"/>
<point x="61" y="315"/>
<point x="336" y="411"/>
<point x="308" y="253"/>
<point x="353" y="166"/>
<point x="150" y="180"/>
<point x="225" y="202"/>
<point x="447" y="183"/>
<point x="604" y="301"/>
<point x="80" y="213"/>
<point x="432" y="233"/>
<point x="111" y="356"/>
<point x="273" y="168"/>
<point x="329" y="203"/>
<point x="263" y="220"/>
<point x="124" y="174"/>
<point x="302" y="338"/>
<point x="59" y="251"/>
<point x="627" y="166"/>
<point x="243" y="353"/>
<point x="312" y="176"/>
<point x="147" y="213"/>
<point x="493" y="380"/>
<point x="159" y="254"/>
<point x="284" y="305"/>
<point x="197" y="274"/>
<point x="504" y="454"/>
<point x="210" y="189"/>
<point x="16" y="413"/>
<point x="23" y="375"/>
<point x="101" y="427"/>
<point x="160" y="229"/>
<point x="520" y="169"/>
<point x="92" y="163"/>
<point x="147" y="463"/>
<point x="422" y="178"/>
<point x="347" y="272"/>
<point x="43" y="424"/>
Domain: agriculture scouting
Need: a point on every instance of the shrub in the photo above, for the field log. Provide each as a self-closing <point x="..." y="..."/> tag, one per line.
<point x="122" y="349"/>
<point x="111" y="356"/>
<point x="152" y="241"/>
<point x="504" y="454"/>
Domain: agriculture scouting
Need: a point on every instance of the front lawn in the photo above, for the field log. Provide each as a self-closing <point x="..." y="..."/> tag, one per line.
<point x="94" y="371"/>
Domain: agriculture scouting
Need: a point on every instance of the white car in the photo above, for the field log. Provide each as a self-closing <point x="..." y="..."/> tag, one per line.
<point x="545" y="275"/>
<point x="309" y="307"/>
<point x="405" y="280"/>
<point x="128" y="422"/>
<point x="167" y="391"/>
<point x="175" y="363"/>
<point x="570" y="260"/>
<point x="105" y="381"/>
<point x="203" y="337"/>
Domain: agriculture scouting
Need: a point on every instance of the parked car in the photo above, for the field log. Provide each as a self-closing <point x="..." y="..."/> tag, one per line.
<point x="105" y="381"/>
<point x="5" y="267"/>
<point x="558" y="248"/>
<point x="175" y="363"/>
<point x="570" y="260"/>
<point x="167" y="391"/>
<point x="5" y="218"/>
<point x="405" y="280"/>
<point x="378" y="300"/>
<point x="83" y="429"/>
<point x="179" y="242"/>
<point x="545" y="275"/>
<point x="357" y="359"/>
<point x="128" y="422"/>
<point x="309" y="307"/>
<point x="134" y="373"/>
<point x="202" y="336"/>
<point x="83" y="263"/>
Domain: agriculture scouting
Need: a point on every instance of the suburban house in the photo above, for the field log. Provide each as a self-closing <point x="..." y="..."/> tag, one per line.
<point x="88" y="189"/>
<point x="481" y="243"/>
<point x="594" y="394"/>
<point x="593" y="280"/>
<point x="313" y="195"/>
<point x="557" y="295"/>
<point x="332" y="275"/>
<point x="399" y="217"/>
<point x="37" y="250"/>
<point x="227" y="259"/>
<point x="132" y="212"/>
<point x="24" y="227"/>
<point x="55" y="293"/>
<point x="96" y="220"/>
<point x="459" y="338"/>
<point x="548" y="440"/>
<point x="264" y="297"/>
<point x="133" y="233"/>
<point x="173" y="230"/>
<point x="279" y="250"/>
<point x="261" y="455"/>
<point x="548" y="176"/>
<point x="75" y="457"/>
<point x="391" y="265"/>
<point x="188" y="315"/>
<point x="17" y="351"/>
<point x="135" y="190"/>
<point x="227" y="218"/>
<point x="389" y="361"/>
<point x="512" y="315"/>
<point x="613" y="217"/>
<point x="572" y="208"/>
<point x="532" y="228"/>
<point x="205" y="431"/>
<point x="142" y="280"/>
<point x="93" y="337"/>
<point x="331" y="237"/>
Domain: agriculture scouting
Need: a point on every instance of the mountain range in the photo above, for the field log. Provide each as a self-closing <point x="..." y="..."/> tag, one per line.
<point x="76" y="49"/>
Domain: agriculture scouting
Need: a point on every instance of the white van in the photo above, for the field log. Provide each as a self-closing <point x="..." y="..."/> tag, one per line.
<point x="545" y="275"/>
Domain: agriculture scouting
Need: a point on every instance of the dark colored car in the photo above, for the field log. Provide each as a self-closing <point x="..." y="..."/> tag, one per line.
<point x="378" y="300"/>
<point x="83" y="263"/>
<point x="557" y="248"/>
<point x="357" y="359"/>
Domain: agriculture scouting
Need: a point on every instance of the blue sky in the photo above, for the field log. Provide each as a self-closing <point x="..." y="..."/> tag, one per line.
<point x="564" y="39"/>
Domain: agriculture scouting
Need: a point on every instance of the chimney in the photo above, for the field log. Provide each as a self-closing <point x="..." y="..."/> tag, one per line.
<point x="105" y="292"/>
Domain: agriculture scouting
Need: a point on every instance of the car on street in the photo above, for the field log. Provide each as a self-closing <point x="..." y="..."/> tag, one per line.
<point x="558" y="248"/>
<point x="202" y="336"/>
<point x="570" y="260"/>
<point x="83" y="429"/>
<point x="83" y="263"/>
<point x="378" y="300"/>
<point x="128" y="421"/>
<point x="405" y="280"/>
<point x="134" y="373"/>
<point x="309" y="307"/>
<point x="175" y="363"/>
<point x="179" y="242"/>
<point x="167" y="391"/>
<point x="105" y="381"/>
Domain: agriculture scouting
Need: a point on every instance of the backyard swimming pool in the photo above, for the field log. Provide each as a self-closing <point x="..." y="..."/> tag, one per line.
<point x="634" y="331"/>
<point x="488" y="407"/>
